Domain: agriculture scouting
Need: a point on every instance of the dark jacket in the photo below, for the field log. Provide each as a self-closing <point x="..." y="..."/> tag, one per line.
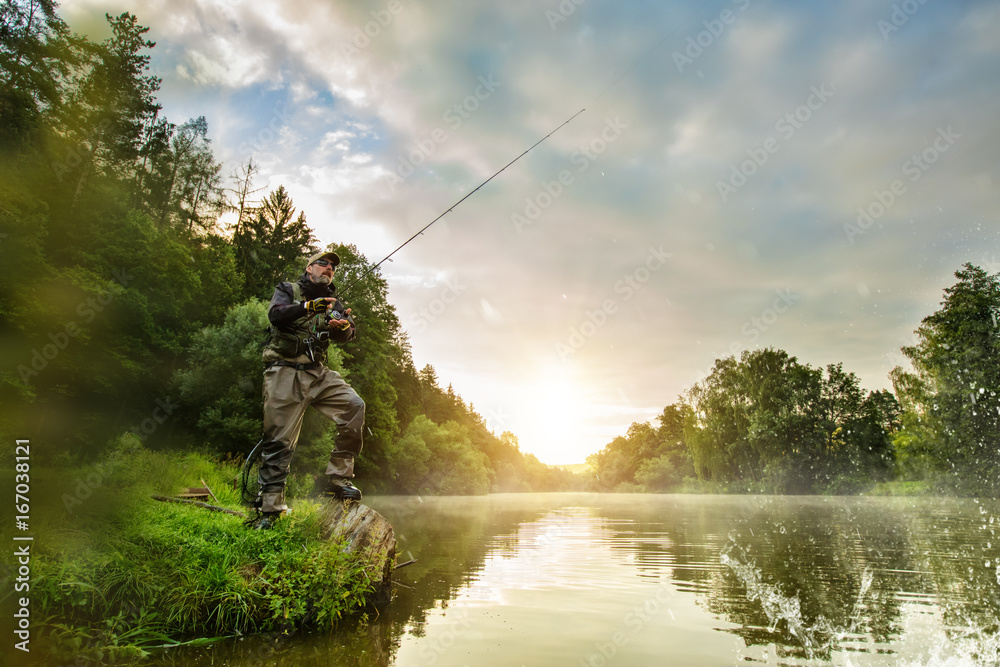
<point x="290" y="321"/>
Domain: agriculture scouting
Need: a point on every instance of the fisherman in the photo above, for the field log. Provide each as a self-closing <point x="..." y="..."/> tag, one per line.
<point x="305" y="316"/>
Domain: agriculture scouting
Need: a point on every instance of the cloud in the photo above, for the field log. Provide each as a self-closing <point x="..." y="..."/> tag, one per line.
<point x="220" y="62"/>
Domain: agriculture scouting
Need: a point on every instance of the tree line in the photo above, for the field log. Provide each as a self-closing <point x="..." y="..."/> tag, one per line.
<point x="128" y="306"/>
<point x="768" y="423"/>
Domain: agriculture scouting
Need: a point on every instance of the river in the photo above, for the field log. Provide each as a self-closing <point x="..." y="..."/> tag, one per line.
<point x="538" y="580"/>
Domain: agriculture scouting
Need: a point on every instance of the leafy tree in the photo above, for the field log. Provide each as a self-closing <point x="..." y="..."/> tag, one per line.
<point x="184" y="183"/>
<point x="671" y="463"/>
<point x="220" y="386"/>
<point x="767" y="422"/>
<point x="271" y="244"/>
<point x="746" y="416"/>
<point x="859" y="432"/>
<point x="36" y="56"/>
<point x="540" y="477"/>
<point x="438" y="459"/>
<point x="108" y="106"/>
<point x="403" y="376"/>
<point x="952" y="396"/>
<point x="654" y="459"/>
<point x="618" y="462"/>
<point x="658" y="474"/>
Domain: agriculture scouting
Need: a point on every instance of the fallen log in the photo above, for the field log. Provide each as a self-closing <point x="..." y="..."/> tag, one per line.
<point x="367" y="533"/>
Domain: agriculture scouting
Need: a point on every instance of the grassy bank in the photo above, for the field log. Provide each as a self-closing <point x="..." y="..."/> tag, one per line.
<point x="117" y="573"/>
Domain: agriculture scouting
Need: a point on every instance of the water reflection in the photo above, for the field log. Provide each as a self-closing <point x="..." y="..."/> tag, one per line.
<point x="593" y="579"/>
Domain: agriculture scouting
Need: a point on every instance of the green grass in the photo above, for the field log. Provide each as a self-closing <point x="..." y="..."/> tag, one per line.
<point x="118" y="572"/>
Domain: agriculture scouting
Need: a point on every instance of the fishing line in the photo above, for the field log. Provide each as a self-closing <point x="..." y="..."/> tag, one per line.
<point x="601" y="94"/>
<point x="452" y="207"/>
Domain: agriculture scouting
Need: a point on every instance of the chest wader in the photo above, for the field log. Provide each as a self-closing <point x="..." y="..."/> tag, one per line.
<point x="290" y="386"/>
<point x="305" y="336"/>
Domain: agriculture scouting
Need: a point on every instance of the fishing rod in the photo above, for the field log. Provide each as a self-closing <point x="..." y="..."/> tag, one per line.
<point x="452" y="207"/>
<point x="601" y="94"/>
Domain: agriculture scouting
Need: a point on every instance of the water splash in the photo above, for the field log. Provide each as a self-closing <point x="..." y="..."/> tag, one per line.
<point x="817" y="638"/>
<point x="867" y="577"/>
<point x="958" y="647"/>
<point x="971" y="648"/>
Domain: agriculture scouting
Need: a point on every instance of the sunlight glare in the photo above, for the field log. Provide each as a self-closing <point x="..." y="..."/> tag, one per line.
<point x="554" y="416"/>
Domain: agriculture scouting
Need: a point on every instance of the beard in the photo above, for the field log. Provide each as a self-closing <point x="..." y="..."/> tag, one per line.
<point x="321" y="279"/>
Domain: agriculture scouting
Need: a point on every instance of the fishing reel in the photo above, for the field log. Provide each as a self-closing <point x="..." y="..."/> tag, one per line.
<point x="337" y="315"/>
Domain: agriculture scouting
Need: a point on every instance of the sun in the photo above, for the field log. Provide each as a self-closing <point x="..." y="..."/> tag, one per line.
<point x="553" y="423"/>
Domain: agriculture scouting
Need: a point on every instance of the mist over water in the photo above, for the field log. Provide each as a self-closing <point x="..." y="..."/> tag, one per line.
<point x="599" y="579"/>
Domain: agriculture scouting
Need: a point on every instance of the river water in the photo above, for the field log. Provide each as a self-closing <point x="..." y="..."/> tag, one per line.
<point x="538" y="580"/>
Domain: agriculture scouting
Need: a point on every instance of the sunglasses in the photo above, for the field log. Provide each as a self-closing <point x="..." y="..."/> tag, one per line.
<point x="323" y="262"/>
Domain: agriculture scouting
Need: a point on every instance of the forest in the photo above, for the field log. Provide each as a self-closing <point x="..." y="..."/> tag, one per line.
<point x="129" y="306"/>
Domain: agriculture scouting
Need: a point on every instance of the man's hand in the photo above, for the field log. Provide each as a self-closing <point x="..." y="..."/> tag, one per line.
<point x="318" y="305"/>
<point x="343" y="325"/>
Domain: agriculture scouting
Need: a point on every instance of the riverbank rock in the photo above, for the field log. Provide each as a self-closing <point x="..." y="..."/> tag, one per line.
<point x="367" y="533"/>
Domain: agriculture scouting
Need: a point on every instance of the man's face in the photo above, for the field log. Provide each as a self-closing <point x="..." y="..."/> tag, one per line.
<point x="318" y="273"/>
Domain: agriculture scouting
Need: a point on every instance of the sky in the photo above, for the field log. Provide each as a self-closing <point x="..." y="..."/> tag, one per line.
<point x="743" y="174"/>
